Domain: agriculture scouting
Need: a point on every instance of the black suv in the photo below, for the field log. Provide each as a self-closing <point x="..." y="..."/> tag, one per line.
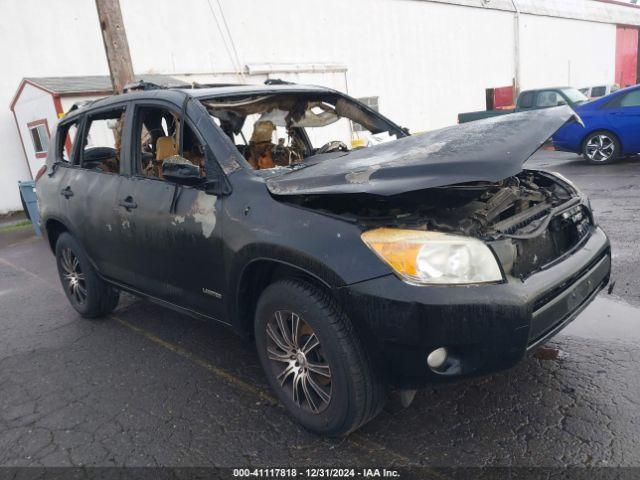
<point x="362" y="260"/>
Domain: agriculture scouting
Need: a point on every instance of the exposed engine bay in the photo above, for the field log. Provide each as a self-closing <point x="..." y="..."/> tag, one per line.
<point x="531" y="218"/>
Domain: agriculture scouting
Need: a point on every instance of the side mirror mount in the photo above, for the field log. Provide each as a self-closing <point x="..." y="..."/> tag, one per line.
<point x="216" y="182"/>
<point x="561" y="102"/>
<point x="181" y="171"/>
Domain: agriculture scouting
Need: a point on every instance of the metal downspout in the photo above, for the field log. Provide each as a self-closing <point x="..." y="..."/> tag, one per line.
<point x="516" y="52"/>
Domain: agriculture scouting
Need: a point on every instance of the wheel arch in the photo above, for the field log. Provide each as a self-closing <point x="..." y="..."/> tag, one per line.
<point x="256" y="275"/>
<point x="53" y="228"/>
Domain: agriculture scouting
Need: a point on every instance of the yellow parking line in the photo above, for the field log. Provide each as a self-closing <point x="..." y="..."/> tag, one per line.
<point x="218" y="372"/>
<point x="359" y="440"/>
<point x="356" y="439"/>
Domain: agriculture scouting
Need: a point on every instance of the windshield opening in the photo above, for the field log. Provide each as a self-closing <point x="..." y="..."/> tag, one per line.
<point x="285" y="129"/>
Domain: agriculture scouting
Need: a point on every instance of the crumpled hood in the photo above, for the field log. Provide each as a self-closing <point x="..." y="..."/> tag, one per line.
<point x="486" y="150"/>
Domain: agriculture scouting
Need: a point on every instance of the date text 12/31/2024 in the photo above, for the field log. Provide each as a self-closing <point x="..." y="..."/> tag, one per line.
<point x="315" y="473"/>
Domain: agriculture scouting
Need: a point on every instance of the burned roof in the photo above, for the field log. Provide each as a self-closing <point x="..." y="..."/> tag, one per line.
<point x="96" y="83"/>
<point x="256" y="89"/>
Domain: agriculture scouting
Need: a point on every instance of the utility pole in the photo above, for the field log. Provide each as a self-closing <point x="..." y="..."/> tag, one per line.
<point x="115" y="43"/>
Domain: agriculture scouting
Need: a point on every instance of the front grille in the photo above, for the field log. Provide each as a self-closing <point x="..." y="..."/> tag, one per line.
<point x="560" y="304"/>
<point x="564" y="232"/>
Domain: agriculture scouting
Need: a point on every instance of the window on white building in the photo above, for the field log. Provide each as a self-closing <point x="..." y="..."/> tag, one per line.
<point x="39" y="137"/>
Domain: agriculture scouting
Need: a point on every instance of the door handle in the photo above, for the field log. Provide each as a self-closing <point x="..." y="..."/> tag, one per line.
<point x="66" y="192"/>
<point x="128" y="203"/>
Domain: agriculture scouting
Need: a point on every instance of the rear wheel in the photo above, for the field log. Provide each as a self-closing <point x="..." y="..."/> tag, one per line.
<point x="88" y="294"/>
<point x="313" y="359"/>
<point x="601" y="147"/>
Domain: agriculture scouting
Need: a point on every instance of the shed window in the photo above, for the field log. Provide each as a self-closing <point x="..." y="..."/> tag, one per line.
<point x="39" y="137"/>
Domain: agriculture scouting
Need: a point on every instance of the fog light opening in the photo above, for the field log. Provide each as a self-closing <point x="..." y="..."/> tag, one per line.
<point x="437" y="358"/>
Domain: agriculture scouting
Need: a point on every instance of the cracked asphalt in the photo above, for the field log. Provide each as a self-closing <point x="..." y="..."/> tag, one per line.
<point x="150" y="387"/>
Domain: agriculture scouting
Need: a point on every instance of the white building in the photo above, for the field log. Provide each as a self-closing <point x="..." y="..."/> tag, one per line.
<point x="422" y="61"/>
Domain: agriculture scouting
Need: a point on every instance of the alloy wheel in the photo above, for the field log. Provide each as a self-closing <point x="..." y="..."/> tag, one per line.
<point x="73" y="276"/>
<point x="297" y="360"/>
<point x="600" y="148"/>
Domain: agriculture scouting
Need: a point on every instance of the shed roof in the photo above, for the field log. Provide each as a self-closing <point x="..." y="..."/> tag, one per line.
<point x="95" y="83"/>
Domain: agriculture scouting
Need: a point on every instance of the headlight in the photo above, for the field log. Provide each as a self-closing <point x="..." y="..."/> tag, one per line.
<point x="427" y="258"/>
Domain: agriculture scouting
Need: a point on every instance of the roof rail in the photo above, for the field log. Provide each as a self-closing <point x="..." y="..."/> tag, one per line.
<point x="80" y="104"/>
<point x="213" y="85"/>
<point x="141" y="85"/>
<point x="277" y="81"/>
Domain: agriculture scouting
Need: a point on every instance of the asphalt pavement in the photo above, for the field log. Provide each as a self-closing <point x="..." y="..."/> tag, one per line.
<point x="150" y="387"/>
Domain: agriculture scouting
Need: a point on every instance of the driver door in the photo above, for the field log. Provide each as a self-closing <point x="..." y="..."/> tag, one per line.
<point x="174" y="236"/>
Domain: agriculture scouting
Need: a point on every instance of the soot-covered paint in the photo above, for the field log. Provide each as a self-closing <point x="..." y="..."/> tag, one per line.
<point x="487" y="150"/>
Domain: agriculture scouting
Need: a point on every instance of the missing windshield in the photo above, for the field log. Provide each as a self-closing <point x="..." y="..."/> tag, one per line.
<point x="286" y="129"/>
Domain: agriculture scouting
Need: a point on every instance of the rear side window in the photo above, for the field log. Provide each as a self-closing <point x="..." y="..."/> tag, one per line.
<point x="631" y="99"/>
<point x="66" y="140"/>
<point x="526" y="100"/>
<point x="548" y="99"/>
<point x="598" y="91"/>
<point x="102" y="141"/>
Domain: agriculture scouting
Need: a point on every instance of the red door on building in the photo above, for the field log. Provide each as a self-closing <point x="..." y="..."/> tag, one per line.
<point x="626" y="56"/>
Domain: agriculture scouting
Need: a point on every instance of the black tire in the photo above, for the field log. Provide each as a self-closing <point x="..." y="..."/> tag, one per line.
<point x="356" y="392"/>
<point x="99" y="298"/>
<point x="607" y="152"/>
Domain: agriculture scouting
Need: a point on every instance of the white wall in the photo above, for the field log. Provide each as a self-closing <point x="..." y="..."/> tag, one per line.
<point x="557" y="51"/>
<point x="426" y="60"/>
<point x="34" y="104"/>
<point x="40" y="38"/>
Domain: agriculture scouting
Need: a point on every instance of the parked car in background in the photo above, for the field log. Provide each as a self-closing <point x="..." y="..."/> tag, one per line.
<point x="599" y="91"/>
<point x="357" y="271"/>
<point x="532" y="100"/>
<point x="611" y="128"/>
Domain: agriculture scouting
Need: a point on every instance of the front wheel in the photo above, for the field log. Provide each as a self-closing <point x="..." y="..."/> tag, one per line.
<point x="601" y="148"/>
<point x="314" y="360"/>
<point x="85" y="290"/>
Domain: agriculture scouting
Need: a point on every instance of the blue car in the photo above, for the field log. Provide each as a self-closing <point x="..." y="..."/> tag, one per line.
<point x="611" y="128"/>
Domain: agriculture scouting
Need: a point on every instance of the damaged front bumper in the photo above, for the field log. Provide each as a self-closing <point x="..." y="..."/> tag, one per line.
<point x="483" y="327"/>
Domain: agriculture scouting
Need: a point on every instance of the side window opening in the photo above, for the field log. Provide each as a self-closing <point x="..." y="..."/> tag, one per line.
<point x="631" y="99"/>
<point x="526" y="101"/>
<point x="158" y="134"/>
<point x="66" y="140"/>
<point x="548" y="99"/>
<point x="102" y="141"/>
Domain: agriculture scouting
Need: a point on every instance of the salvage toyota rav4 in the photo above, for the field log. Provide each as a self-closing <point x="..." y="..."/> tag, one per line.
<point x="361" y="259"/>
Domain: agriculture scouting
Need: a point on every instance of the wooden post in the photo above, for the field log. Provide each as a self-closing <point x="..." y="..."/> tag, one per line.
<point x="115" y="43"/>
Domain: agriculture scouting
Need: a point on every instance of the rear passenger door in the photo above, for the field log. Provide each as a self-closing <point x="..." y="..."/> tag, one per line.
<point x="623" y="114"/>
<point x="90" y="189"/>
<point x="176" y="241"/>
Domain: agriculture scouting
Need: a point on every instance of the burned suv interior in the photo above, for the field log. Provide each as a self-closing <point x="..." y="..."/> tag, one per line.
<point x="160" y="134"/>
<point x="286" y="129"/>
